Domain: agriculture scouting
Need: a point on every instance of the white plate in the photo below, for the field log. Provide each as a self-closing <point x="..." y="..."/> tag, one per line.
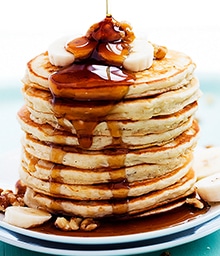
<point x="131" y="248"/>
<point x="108" y="240"/>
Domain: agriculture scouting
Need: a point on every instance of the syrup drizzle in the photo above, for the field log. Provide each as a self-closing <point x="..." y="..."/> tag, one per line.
<point x="110" y="227"/>
<point x="86" y="91"/>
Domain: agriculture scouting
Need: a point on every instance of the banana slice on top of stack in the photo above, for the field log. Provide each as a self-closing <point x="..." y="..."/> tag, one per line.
<point x="137" y="56"/>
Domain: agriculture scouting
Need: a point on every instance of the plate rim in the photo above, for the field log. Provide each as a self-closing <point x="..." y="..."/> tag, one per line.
<point x="202" y="231"/>
<point x="213" y="212"/>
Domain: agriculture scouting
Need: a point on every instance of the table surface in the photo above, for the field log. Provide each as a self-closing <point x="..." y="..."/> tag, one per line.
<point x="11" y="100"/>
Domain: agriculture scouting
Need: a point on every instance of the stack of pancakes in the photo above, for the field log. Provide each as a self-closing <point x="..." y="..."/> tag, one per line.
<point x="134" y="160"/>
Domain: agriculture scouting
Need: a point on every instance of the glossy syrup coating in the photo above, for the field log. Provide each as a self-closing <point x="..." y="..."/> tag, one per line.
<point x="86" y="91"/>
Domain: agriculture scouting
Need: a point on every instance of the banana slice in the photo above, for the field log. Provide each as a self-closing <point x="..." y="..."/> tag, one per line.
<point x="206" y="162"/>
<point x="141" y="56"/>
<point x="58" y="55"/>
<point x="209" y="188"/>
<point x="25" y="217"/>
<point x="81" y="47"/>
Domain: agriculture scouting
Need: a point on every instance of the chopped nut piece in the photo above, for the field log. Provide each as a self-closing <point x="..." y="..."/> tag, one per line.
<point x="8" y="198"/>
<point x="62" y="223"/>
<point x="88" y="224"/>
<point x="20" y="188"/>
<point x="159" y="51"/>
<point x="75" y="223"/>
<point x="68" y="225"/>
<point x="195" y="202"/>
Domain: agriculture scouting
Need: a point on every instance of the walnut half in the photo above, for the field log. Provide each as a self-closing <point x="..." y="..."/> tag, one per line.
<point x="8" y="198"/>
<point x="76" y="223"/>
<point x="88" y="224"/>
<point x="68" y="225"/>
<point x="159" y="51"/>
<point x="195" y="202"/>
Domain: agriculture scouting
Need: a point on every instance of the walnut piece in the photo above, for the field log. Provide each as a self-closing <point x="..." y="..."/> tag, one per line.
<point x="20" y="188"/>
<point x="88" y="224"/>
<point x="8" y="198"/>
<point x="159" y="51"/>
<point x="75" y="223"/>
<point x="195" y="202"/>
<point x="68" y="225"/>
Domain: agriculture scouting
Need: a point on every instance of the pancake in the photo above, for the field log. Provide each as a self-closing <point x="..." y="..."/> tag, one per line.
<point x="138" y="109"/>
<point x="104" y="208"/>
<point x="104" y="191"/>
<point x="172" y="72"/>
<point x="58" y="173"/>
<point x="113" y="158"/>
<point x="158" y="124"/>
<point x="136" y="139"/>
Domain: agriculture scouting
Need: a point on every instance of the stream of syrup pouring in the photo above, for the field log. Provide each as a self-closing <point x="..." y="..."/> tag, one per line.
<point x="87" y="90"/>
<point x="107" y="9"/>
